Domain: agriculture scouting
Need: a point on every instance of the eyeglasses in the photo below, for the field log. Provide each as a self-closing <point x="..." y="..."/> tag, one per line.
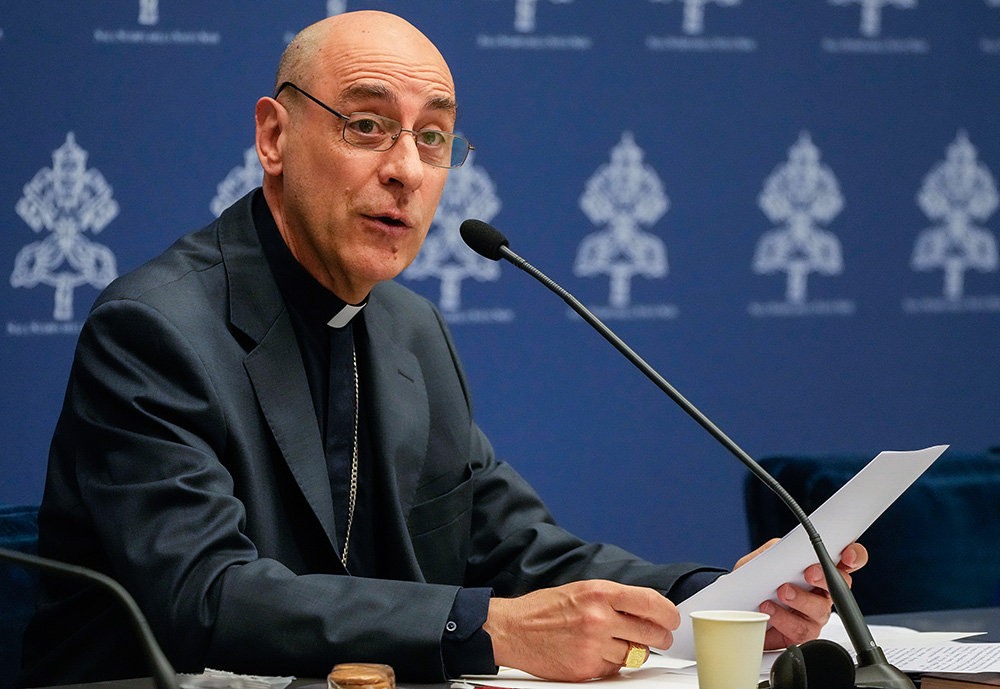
<point x="377" y="133"/>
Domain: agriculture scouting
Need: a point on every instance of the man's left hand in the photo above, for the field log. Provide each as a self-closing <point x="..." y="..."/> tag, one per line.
<point x="802" y="612"/>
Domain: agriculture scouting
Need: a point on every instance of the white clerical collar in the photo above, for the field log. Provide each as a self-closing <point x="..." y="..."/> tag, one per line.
<point x="345" y="315"/>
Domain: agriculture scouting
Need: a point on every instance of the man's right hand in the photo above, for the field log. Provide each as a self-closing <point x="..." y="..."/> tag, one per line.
<point x="580" y="630"/>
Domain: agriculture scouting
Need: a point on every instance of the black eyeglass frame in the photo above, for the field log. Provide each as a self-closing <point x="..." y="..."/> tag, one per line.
<point x="455" y="138"/>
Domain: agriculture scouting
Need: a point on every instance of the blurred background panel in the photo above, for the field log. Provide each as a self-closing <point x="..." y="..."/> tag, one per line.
<point x="788" y="207"/>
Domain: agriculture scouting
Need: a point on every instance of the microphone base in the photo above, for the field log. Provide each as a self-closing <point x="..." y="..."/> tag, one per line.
<point x="875" y="672"/>
<point x="881" y="676"/>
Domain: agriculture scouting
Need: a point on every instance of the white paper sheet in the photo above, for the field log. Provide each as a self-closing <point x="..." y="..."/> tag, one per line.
<point x="840" y="521"/>
<point x="896" y="637"/>
<point x="946" y="658"/>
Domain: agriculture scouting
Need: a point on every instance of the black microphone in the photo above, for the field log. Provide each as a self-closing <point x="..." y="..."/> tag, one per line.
<point x="873" y="668"/>
<point x="163" y="672"/>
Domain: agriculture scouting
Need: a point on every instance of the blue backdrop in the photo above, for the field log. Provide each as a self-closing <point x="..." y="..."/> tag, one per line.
<point x="789" y="207"/>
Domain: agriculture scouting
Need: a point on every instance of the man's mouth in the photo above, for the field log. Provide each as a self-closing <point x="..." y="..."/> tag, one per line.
<point x="389" y="220"/>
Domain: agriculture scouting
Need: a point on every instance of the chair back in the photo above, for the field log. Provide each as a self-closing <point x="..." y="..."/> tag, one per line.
<point x="18" y="531"/>
<point x="937" y="547"/>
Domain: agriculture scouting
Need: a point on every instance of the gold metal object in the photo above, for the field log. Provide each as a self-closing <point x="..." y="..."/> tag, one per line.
<point x="636" y="655"/>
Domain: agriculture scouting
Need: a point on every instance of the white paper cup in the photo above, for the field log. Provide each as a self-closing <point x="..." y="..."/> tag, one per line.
<point x="728" y="646"/>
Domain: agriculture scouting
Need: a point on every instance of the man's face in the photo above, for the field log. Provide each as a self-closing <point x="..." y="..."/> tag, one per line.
<point x="351" y="216"/>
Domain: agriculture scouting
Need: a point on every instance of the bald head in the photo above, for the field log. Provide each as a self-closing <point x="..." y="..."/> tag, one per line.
<point x="351" y="214"/>
<point x="347" y="36"/>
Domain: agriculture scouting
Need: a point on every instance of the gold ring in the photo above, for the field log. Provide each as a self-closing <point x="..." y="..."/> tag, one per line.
<point x="636" y="655"/>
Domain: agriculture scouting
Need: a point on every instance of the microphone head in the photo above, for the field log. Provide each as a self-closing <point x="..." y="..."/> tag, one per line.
<point x="483" y="238"/>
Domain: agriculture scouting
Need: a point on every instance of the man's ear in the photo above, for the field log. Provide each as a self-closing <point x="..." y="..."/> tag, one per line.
<point x="272" y="121"/>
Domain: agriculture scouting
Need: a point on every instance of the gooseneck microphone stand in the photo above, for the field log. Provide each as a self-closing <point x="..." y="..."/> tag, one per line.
<point x="162" y="671"/>
<point x="873" y="669"/>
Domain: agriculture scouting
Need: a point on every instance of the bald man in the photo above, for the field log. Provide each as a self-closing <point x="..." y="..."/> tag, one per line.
<point x="271" y="444"/>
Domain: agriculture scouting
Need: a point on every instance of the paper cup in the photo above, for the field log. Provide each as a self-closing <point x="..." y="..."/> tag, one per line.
<point x="728" y="647"/>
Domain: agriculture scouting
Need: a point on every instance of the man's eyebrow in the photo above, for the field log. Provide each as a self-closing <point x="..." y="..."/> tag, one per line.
<point x="375" y="91"/>
<point x="443" y="103"/>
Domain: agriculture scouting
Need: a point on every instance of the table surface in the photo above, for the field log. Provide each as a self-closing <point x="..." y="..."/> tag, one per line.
<point x="974" y="619"/>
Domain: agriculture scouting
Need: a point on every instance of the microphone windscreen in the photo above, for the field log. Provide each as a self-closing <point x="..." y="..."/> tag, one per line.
<point x="483" y="238"/>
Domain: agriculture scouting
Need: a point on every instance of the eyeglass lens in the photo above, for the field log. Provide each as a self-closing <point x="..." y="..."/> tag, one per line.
<point x="366" y="130"/>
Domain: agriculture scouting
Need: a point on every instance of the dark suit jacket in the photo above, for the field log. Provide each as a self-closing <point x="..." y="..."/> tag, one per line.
<point x="187" y="463"/>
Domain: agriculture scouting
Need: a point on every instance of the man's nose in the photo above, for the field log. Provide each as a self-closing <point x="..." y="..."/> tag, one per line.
<point x="403" y="162"/>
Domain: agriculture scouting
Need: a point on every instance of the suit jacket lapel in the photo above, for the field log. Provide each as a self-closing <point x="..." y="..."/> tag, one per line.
<point x="400" y="432"/>
<point x="275" y="364"/>
<point x="276" y="370"/>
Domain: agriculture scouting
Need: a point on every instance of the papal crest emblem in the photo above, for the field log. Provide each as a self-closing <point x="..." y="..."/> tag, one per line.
<point x="957" y="193"/>
<point x="623" y="196"/>
<point x="800" y="196"/>
<point x="66" y="200"/>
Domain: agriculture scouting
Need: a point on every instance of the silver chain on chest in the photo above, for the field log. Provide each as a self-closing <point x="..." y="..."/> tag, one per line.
<point x="352" y="499"/>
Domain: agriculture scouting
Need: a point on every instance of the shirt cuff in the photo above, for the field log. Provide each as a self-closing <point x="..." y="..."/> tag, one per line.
<point x="466" y="648"/>
<point x="692" y="583"/>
